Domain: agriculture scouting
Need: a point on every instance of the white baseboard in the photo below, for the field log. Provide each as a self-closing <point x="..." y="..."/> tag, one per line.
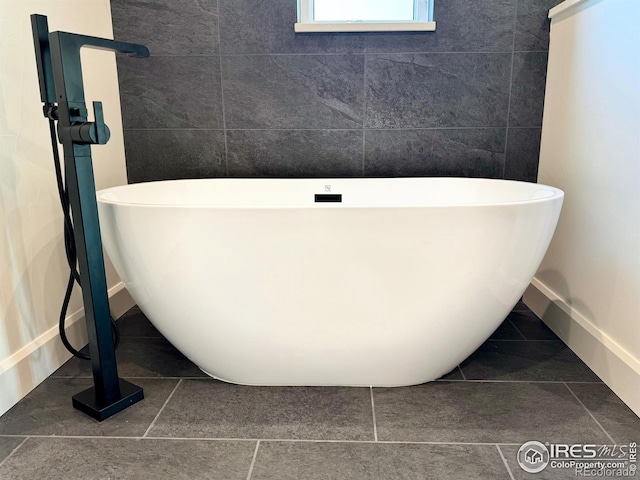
<point x="28" y="367"/>
<point x="611" y="362"/>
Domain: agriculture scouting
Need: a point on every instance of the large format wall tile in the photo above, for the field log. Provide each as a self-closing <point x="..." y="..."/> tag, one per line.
<point x="435" y="90"/>
<point x="170" y="92"/>
<point x="172" y="154"/>
<point x="532" y="24"/>
<point x="461" y="26"/>
<point x="523" y="152"/>
<point x="293" y="91"/>
<point x="527" y="89"/>
<point x="456" y="77"/>
<point x="441" y="152"/>
<point x="188" y="28"/>
<point x="258" y="26"/>
<point x="300" y="153"/>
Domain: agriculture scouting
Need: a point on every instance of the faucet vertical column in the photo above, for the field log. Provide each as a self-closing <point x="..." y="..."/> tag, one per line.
<point x="110" y="394"/>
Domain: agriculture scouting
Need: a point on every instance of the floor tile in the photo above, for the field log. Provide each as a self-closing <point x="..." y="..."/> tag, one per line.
<point x="454" y="374"/>
<point x="47" y="410"/>
<point x="521" y="307"/>
<point x="212" y="409"/>
<point x="506" y="331"/>
<point x="374" y="461"/>
<point x="615" y="417"/>
<point x="525" y="360"/>
<point x="70" y="459"/>
<point x="140" y="357"/>
<point x="135" y="324"/>
<point x="7" y="445"/>
<point x="531" y="326"/>
<point x="500" y="412"/>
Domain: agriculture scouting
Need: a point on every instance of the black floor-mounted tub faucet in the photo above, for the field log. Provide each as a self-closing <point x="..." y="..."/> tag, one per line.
<point x="62" y="91"/>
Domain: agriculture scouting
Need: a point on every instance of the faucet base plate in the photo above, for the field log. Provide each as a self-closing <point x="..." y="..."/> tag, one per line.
<point x="87" y="402"/>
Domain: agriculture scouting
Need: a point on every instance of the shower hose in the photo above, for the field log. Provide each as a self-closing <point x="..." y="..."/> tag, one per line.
<point x="70" y="250"/>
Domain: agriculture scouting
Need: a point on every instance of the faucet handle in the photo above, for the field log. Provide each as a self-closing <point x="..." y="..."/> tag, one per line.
<point x="93" y="133"/>
<point x="102" y="131"/>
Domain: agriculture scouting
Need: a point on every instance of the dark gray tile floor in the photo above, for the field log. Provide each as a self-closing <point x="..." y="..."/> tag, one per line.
<point x="522" y="384"/>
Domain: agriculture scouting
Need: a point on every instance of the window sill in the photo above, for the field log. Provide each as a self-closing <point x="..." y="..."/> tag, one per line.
<point x="364" y="27"/>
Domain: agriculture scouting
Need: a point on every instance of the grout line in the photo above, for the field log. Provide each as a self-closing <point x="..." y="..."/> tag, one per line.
<point x="338" y="54"/>
<point x="524" y="309"/>
<point x="376" y="129"/>
<point x="302" y="440"/>
<point x="364" y="113"/>
<point x="83" y="437"/>
<point x="517" y="329"/>
<point x="613" y="442"/>
<point x="504" y="460"/>
<point x="464" y="377"/>
<point x="513" y="56"/>
<point x="488" y="380"/>
<point x="285" y="440"/>
<point x="162" y="409"/>
<point x="83" y="377"/>
<point x="253" y="460"/>
<point x="342" y="54"/>
<point x="373" y="412"/>
<point x="224" y="117"/>
<point x="512" y="381"/>
<point x="13" y="451"/>
<point x="142" y="336"/>
<point x="164" y="129"/>
<point x="523" y="340"/>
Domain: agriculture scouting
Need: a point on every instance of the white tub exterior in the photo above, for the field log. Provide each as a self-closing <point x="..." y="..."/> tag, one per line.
<point x="396" y="285"/>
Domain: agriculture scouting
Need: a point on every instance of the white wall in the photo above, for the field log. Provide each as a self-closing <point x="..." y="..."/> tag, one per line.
<point x="33" y="272"/>
<point x="588" y="287"/>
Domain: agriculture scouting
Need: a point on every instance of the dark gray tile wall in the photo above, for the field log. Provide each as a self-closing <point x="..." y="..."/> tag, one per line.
<point x="231" y="90"/>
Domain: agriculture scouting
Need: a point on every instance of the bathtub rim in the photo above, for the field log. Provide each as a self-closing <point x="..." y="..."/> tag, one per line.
<point x="553" y="194"/>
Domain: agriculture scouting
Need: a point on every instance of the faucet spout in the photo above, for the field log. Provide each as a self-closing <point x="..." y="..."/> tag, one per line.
<point x="73" y="41"/>
<point x="67" y="70"/>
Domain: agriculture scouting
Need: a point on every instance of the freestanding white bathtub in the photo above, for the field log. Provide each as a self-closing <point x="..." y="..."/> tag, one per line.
<point x="259" y="284"/>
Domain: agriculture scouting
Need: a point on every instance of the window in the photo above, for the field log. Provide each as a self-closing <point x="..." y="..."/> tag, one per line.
<point x="364" y="15"/>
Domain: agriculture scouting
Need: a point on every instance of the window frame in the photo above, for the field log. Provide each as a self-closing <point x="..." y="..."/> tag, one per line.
<point x="422" y="21"/>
